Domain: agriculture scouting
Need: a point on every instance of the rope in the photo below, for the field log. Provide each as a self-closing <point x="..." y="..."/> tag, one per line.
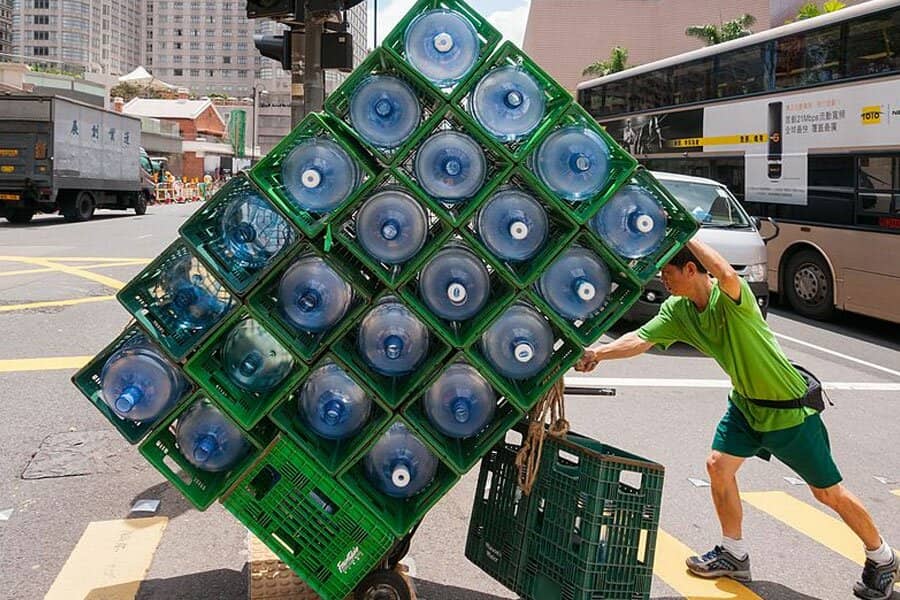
<point x="528" y="459"/>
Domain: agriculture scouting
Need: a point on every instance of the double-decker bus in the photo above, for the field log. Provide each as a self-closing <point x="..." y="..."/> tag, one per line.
<point x="802" y="122"/>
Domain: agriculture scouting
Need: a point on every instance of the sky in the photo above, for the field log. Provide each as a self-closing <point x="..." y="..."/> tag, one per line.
<point x="509" y="16"/>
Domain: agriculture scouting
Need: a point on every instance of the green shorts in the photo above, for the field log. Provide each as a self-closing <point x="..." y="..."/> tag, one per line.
<point x="804" y="448"/>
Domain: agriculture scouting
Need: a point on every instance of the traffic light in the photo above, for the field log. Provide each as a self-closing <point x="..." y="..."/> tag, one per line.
<point x="276" y="47"/>
<point x="331" y="4"/>
<point x="258" y="9"/>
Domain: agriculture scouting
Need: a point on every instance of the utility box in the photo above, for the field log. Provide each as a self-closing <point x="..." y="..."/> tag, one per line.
<point x="337" y="51"/>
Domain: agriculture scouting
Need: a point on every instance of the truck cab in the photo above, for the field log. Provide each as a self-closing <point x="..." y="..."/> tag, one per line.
<point x="725" y="226"/>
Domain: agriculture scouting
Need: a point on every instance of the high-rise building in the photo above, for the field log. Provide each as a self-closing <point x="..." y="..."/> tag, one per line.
<point x="565" y="36"/>
<point x="5" y="29"/>
<point x="94" y="36"/>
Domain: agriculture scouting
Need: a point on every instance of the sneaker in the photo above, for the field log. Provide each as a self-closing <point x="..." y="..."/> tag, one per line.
<point x="878" y="580"/>
<point x="719" y="562"/>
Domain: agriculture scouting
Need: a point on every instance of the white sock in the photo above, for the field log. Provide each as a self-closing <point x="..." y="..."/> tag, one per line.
<point x="882" y="555"/>
<point x="737" y="547"/>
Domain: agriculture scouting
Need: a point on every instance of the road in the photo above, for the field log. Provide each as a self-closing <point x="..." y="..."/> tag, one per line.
<point x="61" y="521"/>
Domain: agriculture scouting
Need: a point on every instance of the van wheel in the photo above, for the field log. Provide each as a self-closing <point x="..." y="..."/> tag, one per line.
<point x="808" y="285"/>
<point x="80" y="209"/>
<point x="19" y="216"/>
<point x="140" y="203"/>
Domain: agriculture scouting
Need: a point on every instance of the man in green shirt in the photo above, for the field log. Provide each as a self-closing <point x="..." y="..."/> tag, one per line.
<point x="720" y="318"/>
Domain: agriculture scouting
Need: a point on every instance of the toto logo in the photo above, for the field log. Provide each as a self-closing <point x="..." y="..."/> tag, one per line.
<point x="871" y="115"/>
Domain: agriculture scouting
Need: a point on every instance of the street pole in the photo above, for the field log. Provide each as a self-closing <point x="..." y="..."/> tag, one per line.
<point x="253" y="124"/>
<point x="297" y="76"/>
<point x="313" y="74"/>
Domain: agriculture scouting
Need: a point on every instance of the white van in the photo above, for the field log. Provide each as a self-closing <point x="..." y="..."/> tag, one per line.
<point x="726" y="226"/>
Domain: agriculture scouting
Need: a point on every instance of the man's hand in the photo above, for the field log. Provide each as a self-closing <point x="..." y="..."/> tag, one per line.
<point x="588" y="362"/>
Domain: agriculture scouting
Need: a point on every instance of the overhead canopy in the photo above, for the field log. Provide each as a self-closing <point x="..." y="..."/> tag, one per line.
<point x="142" y="76"/>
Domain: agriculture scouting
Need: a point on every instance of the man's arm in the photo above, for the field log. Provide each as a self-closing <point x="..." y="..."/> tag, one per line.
<point x="627" y="346"/>
<point x="718" y="267"/>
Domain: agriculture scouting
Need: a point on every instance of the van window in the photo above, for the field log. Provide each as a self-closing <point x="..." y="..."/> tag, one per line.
<point x="712" y="205"/>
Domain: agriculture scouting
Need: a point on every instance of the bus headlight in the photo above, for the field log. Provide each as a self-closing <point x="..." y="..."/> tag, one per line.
<point x="756" y="273"/>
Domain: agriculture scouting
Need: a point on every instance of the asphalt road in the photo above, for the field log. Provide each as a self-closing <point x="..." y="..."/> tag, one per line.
<point x="666" y="408"/>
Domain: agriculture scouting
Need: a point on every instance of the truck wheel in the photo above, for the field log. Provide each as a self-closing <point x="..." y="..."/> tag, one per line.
<point x="808" y="285"/>
<point x="82" y="209"/>
<point x="384" y="585"/>
<point x="140" y="203"/>
<point x="19" y="216"/>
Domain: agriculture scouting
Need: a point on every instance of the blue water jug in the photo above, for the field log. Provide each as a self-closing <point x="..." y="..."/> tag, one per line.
<point x="632" y="223"/>
<point x="399" y="465"/>
<point x="332" y="404"/>
<point x="573" y="162"/>
<point x="455" y="284"/>
<point x="460" y="404"/>
<point x="519" y="343"/>
<point x="253" y="232"/>
<point x="509" y="103"/>
<point x="254" y="360"/>
<point x="139" y="383"/>
<point x="384" y="111"/>
<point x="451" y="166"/>
<point x="208" y="440"/>
<point x="577" y="284"/>
<point x="513" y="225"/>
<point x="319" y="175"/>
<point x="312" y="296"/>
<point x="391" y="339"/>
<point x="197" y="300"/>
<point x="442" y="45"/>
<point x="391" y="227"/>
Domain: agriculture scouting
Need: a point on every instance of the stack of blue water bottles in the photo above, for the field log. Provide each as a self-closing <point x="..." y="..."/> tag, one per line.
<point x="339" y="335"/>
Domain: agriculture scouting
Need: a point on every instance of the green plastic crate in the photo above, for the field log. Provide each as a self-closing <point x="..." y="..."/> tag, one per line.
<point x="561" y="230"/>
<point x="267" y="172"/>
<point x="382" y="62"/>
<point x="200" y="487"/>
<point x="680" y="229"/>
<point x="593" y="523"/>
<point x="393" y="391"/>
<point x="332" y="455"/>
<point x="88" y="380"/>
<point x="556" y="97"/>
<point x="488" y="36"/>
<point x="392" y="275"/>
<point x="314" y="525"/>
<point x="400" y="515"/>
<point x="150" y="303"/>
<point x="207" y="367"/>
<point x="498" y="168"/>
<point x="496" y="538"/>
<point x="621" y="164"/>
<point x="203" y="231"/>
<point x="461" y="454"/>
<point x="462" y="333"/>
<point x="265" y="305"/>
<point x="525" y="393"/>
<point x="624" y="293"/>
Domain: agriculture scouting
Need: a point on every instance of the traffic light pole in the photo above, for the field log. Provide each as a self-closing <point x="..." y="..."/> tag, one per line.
<point x="297" y="75"/>
<point x="308" y="82"/>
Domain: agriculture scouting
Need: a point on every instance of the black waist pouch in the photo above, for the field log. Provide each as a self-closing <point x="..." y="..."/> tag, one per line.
<point x="815" y="396"/>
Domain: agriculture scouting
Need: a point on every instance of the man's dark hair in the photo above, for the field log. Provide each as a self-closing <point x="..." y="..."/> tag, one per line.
<point x="685" y="256"/>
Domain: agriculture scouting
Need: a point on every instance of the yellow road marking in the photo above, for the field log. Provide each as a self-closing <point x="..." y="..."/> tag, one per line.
<point x="110" y="560"/>
<point x="896" y="492"/>
<point x="50" y="303"/>
<point x="17" y="365"/>
<point x="825" y="529"/>
<point x="42" y="262"/>
<point x="669" y="566"/>
<point x="124" y="263"/>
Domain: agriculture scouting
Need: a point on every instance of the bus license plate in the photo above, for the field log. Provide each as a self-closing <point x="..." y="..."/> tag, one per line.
<point x="13" y="197"/>
<point x="7" y="169"/>
<point x="9" y="152"/>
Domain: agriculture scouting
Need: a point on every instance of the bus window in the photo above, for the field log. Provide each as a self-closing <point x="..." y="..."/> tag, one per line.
<point x="616" y="97"/>
<point x="823" y="55"/>
<point x="741" y="72"/>
<point x="789" y="67"/>
<point x="691" y="82"/>
<point x="877" y="172"/>
<point x="872" y="44"/>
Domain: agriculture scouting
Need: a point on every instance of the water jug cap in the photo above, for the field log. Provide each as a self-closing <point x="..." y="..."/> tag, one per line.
<point x="462" y="409"/>
<point x="383" y="107"/>
<point x="586" y="290"/>
<point x="518" y="230"/>
<point x="523" y="352"/>
<point x="390" y="229"/>
<point x="457" y="293"/>
<point x="129" y="397"/>
<point x="244" y="232"/>
<point x="400" y="476"/>
<point x="204" y="448"/>
<point x="393" y="347"/>
<point x="311" y="178"/>
<point x="334" y="408"/>
<point x="453" y="167"/>
<point x="644" y="223"/>
<point x="514" y="99"/>
<point x="309" y="300"/>
<point x="580" y="162"/>
<point x="251" y="363"/>
<point x="443" y="42"/>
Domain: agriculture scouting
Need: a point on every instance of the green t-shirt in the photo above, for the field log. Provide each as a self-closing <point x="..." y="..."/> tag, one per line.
<point x="739" y="339"/>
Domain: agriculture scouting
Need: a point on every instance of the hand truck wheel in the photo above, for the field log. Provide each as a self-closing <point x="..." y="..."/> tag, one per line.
<point x="385" y="585"/>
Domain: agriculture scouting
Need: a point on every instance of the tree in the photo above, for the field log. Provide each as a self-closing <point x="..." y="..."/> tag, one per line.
<point x="811" y="9"/>
<point x="727" y="31"/>
<point x="617" y="61"/>
<point x="129" y="91"/>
